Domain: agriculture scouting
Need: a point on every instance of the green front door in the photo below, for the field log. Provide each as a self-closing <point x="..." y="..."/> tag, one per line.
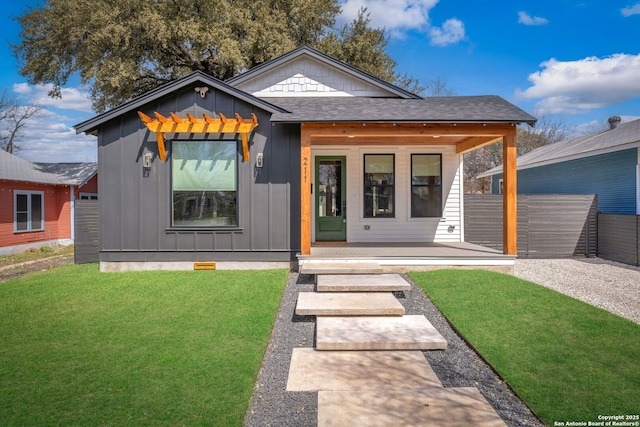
<point x="331" y="205"/>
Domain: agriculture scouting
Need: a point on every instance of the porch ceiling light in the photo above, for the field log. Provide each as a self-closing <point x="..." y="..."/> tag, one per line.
<point x="221" y="124"/>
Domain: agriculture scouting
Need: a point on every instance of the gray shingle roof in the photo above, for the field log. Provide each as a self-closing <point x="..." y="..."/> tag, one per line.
<point x="13" y="168"/>
<point x="70" y="173"/>
<point x="626" y="135"/>
<point x="461" y="109"/>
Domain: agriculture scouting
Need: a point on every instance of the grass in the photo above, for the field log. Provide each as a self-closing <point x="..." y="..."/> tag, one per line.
<point x="34" y="254"/>
<point x="80" y="347"/>
<point x="568" y="360"/>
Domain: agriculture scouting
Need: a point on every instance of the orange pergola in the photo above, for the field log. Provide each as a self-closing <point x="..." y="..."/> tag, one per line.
<point x="191" y="124"/>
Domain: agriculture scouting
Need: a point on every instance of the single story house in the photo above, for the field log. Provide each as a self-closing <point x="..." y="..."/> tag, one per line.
<point x="605" y="163"/>
<point x="300" y="151"/>
<point x="37" y="201"/>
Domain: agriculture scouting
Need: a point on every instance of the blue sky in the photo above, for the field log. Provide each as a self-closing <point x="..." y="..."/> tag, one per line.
<point x="577" y="61"/>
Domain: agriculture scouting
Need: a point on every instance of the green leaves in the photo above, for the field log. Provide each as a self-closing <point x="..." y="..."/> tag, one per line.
<point x="124" y="48"/>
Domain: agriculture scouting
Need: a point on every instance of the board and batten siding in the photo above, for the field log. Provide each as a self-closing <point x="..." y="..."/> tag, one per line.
<point x="612" y="176"/>
<point x="401" y="228"/>
<point x="135" y="210"/>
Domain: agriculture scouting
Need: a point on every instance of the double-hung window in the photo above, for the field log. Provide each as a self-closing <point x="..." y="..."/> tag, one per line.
<point x="426" y="185"/>
<point x="28" y="213"/>
<point x="379" y="186"/>
<point x="204" y="183"/>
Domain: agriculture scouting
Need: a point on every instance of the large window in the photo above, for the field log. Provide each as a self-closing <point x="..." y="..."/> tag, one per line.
<point x="426" y="185"/>
<point x="379" y="189"/>
<point x="28" y="210"/>
<point x="204" y="183"/>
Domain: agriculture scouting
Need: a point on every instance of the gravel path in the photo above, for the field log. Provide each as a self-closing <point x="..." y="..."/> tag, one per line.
<point x="605" y="284"/>
<point x="458" y="366"/>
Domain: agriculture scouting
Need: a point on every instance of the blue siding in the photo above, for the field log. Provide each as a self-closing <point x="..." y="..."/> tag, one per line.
<point x="611" y="176"/>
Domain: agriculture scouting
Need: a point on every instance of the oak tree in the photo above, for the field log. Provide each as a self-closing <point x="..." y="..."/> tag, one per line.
<point x="123" y="48"/>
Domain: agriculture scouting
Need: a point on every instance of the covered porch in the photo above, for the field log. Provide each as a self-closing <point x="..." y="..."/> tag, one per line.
<point x="401" y="257"/>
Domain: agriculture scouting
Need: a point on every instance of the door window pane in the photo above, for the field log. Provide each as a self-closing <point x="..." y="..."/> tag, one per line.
<point x="330" y="188"/>
<point x="379" y="185"/>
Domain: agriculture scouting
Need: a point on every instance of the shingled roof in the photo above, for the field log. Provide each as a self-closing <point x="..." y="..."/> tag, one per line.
<point x="460" y="109"/>
<point x="13" y="168"/>
<point x="622" y="137"/>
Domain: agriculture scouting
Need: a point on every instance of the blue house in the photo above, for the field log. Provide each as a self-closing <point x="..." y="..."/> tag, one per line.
<point x="605" y="163"/>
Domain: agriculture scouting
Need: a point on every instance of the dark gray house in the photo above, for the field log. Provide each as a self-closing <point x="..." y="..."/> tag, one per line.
<point x="299" y="151"/>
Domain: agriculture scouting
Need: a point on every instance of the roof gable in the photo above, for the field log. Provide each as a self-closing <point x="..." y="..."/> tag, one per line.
<point x="194" y="79"/>
<point x="624" y="136"/>
<point x="306" y="72"/>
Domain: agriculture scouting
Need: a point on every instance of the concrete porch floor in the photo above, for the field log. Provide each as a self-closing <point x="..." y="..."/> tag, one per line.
<point x="401" y="257"/>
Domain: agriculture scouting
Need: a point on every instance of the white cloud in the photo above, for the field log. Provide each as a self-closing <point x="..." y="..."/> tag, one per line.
<point x="75" y="99"/>
<point x="452" y="31"/>
<point x="568" y="87"/>
<point x="526" y="19"/>
<point x="631" y="10"/>
<point x="48" y="137"/>
<point x="400" y="16"/>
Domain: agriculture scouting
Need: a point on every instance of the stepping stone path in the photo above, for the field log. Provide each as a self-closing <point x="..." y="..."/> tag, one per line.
<point x="366" y="343"/>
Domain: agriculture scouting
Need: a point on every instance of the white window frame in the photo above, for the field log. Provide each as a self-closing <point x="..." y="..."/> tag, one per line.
<point x="29" y="195"/>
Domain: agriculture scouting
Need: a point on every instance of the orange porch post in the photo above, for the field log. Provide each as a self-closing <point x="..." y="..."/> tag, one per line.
<point x="510" y="189"/>
<point x="305" y="190"/>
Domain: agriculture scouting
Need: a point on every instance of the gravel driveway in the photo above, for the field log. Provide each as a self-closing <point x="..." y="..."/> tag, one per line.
<point x="605" y="284"/>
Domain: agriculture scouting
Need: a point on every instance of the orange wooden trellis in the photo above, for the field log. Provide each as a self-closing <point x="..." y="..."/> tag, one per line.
<point x="221" y="124"/>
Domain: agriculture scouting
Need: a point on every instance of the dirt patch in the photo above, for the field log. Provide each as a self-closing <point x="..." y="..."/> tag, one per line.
<point x="33" y="261"/>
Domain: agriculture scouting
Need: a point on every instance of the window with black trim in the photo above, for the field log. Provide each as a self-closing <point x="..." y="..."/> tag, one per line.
<point x="426" y="185"/>
<point x="28" y="213"/>
<point x="379" y="185"/>
<point x="204" y="183"/>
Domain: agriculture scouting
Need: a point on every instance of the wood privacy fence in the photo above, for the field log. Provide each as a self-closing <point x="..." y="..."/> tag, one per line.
<point x="86" y="231"/>
<point x="553" y="225"/>
<point x="619" y="238"/>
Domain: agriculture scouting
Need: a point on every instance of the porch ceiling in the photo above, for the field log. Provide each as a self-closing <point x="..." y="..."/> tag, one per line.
<point x="465" y="136"/>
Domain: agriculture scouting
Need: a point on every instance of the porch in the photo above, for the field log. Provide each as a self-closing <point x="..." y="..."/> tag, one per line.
<point x="402" y="257"/>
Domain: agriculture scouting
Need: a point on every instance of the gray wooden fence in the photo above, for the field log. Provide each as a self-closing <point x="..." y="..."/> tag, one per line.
<point x="86" y="231"/>
<point x="619" y="238"/>
<point x="548" y="225"/>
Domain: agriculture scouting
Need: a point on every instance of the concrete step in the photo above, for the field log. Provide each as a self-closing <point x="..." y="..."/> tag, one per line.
<point x="412" y="332"/>
<point x="348" y="304"/>
<point x="317" y="267"/>
<point x="435" y="406"/>
<point x="312" y="370"/>
<point x="361" y="283"/>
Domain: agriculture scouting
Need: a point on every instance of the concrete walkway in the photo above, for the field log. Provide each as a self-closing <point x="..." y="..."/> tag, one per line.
<point x="368" y="369"/>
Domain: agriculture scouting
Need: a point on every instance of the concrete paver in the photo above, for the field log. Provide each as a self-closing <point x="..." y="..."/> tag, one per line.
<point x="412" y="332"/>
<point x="362" y="283"/>
<point x="313" y="370"/>
<point x="311" y="267"/>
<point x="348" y="304"/>
<point x="435" y="406"/>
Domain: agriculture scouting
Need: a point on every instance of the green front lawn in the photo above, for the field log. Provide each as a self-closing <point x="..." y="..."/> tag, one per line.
<point x="568" y="360"/>
<point x="80" y="347"/>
